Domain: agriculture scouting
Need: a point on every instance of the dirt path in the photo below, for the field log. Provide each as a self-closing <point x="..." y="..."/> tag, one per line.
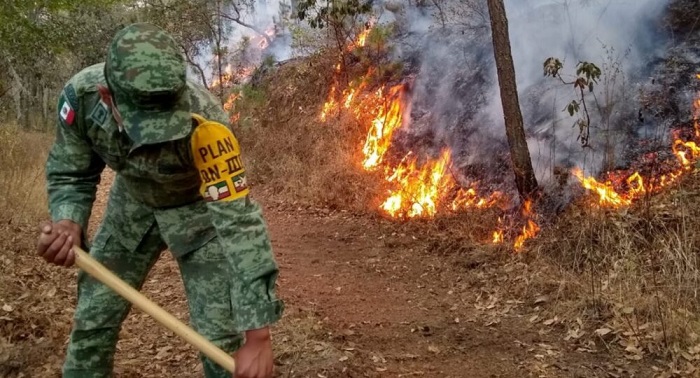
<point x="404" y="311"/>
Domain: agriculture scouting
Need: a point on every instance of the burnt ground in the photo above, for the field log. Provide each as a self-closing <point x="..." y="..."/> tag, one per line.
<point x="364" y="299"/>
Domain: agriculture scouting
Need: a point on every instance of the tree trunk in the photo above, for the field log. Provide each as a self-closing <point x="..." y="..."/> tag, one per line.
<point x="519" y="153"/>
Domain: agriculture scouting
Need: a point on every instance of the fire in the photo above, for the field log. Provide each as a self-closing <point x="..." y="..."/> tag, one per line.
<point x="530" y="230"/>
<point x="419" y="189"/>
<point x="330" y="104"/>
<point x="424" y="188"/>
<point x="383" y="126"/>
<point x="606" y="192"/>
<point x="468" y="199"/>
<point x="637" y="185"/>
<point x="498" y="234"/>
<point x="362" y="38"/>
<point x="497" y="237"/>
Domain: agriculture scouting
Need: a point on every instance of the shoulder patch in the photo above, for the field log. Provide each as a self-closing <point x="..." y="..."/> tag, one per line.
<point x="68" y="105"/>
<point x="217" y="157"/>
<point x="100" y="113"/>
<point x="72" y="97"/>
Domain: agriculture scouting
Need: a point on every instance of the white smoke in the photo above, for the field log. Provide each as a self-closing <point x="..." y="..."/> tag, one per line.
<point x="259" y="19"/>
<point x="456" y="98"/>
<point x="456" y="93"/>
<point x="576" y="31"/>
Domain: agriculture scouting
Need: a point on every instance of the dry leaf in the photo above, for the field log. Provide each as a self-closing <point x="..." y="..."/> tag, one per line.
<point x="7" y="308"/>
<point x="433" y="349"/>
<point x="687" y="356"/>
<point x="343" y="358"/>
<point x="602" y="331"/>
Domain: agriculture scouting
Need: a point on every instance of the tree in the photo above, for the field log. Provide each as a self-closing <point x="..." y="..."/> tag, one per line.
<point x="519" y="153"/>
<point x="42" y="44"/>
<point x="587" y="75"/>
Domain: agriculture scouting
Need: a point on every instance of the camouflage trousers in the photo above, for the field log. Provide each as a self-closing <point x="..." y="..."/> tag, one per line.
<point x="100" y="311"/>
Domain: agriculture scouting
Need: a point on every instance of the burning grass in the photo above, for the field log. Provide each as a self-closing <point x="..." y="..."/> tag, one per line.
<point x="291" y="154"/>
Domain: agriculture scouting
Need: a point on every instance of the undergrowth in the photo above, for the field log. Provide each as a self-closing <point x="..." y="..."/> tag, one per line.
<point x="631" y="274"/>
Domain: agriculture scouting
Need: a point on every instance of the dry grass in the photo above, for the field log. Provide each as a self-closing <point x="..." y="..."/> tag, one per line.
<point x="295" y="156"/>
<point x="22" y="159"/>
<point x="634" y="272"/>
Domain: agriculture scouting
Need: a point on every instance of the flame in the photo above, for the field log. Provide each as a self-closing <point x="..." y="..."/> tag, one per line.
<point x="606" y="192"/>
<point x="637" y="185"/>
<point x="416" y="189"/>
<point x="383" y="126"/>
<point x="362" y="38"/>
<point x="330" y="104"/>
<point x="497" y="237"/>
<point x="498" y="234"/>
<point x="530" y="230"/>
<point x="419" y="188"/>
<point x="226" y="77"/>
<point x="468" y="199"/>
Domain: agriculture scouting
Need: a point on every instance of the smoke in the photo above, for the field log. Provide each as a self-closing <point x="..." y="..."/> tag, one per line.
<point x="456" y="99"/>
<point x="260" y="23"/>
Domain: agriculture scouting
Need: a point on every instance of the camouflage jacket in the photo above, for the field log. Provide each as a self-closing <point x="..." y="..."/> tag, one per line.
<point x="178" y="185"/>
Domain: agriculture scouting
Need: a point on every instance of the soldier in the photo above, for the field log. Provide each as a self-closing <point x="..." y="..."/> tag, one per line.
<point x="180" y="185"/>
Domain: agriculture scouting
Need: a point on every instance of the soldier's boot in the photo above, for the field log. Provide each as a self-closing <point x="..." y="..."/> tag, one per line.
<point x="100" y="311"/>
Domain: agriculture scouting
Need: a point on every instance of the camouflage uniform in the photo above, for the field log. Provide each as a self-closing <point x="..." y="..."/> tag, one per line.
<point x="179" y="185"/>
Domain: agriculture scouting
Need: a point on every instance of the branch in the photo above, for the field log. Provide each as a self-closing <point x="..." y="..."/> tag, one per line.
<point x="196" y="66"/>
<point x="238" y="20"/>
<point x="442" y="14"/>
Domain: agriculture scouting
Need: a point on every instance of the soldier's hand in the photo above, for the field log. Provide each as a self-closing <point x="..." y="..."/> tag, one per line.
<point x="56" y="241"/>
<point x="254" y="359"/>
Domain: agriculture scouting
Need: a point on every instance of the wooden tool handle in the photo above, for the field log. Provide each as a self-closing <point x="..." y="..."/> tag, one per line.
<point x="99" y="272"/>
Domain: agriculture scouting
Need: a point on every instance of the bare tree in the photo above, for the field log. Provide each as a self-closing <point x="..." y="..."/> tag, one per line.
<point x="519" y="153"/>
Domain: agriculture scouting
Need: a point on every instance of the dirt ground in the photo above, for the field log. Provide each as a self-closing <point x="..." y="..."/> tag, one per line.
<point x="365" y="298"/>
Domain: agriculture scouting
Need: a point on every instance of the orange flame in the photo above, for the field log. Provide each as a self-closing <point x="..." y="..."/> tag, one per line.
<point x="530" y="230"/>
<point x="686" y="153"/>
<point x="383" y="126"/>
<point x="468" y="199"/>
<point x="497" y="237"/>
<point x="329" y="105"/>
<point x="362" y="38"/>
<point x="419" y="188"/>
<point x="498" y="234"/>
<point x="606" y="192"/>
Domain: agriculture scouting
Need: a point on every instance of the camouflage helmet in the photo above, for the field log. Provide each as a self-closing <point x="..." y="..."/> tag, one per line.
<point x="147" y="75"/>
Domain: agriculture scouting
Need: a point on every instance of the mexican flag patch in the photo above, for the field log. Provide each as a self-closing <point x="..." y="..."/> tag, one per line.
<point x="66" y="112"/>
<point x="240" y="183"/>
<point x="217" y="191"/>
